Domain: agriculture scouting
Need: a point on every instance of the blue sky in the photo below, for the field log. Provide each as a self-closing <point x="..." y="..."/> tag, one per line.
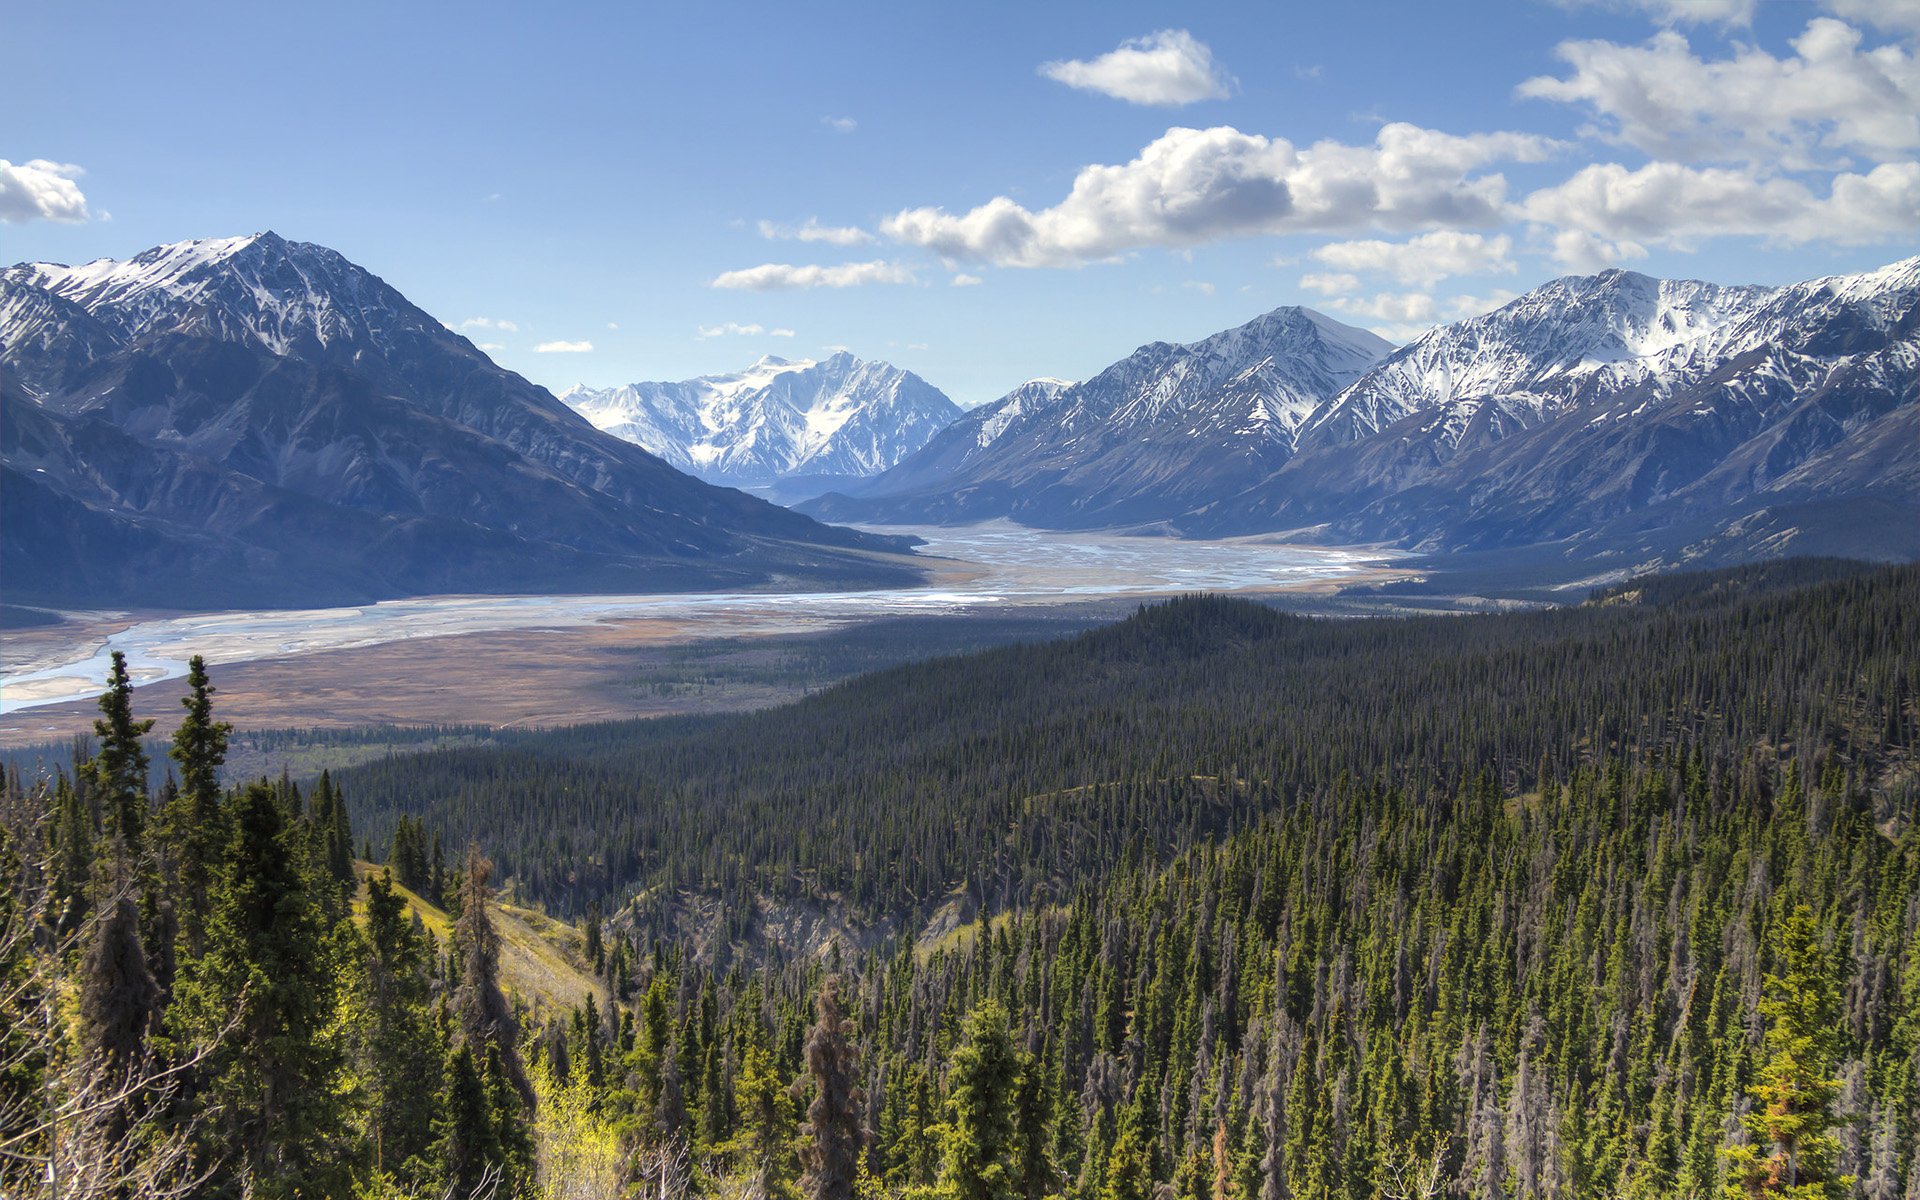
<point x="631" y="177"/>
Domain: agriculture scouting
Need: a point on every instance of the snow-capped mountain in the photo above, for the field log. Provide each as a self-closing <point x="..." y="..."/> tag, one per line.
<point x="1654" y="416"/>
<point x="1542" y="352"/>
<point x="258" y="421"/>
<point x="966" y="438"/>
<point x="841" y="418"/>
<point x="1166" y="428"/>
<point x="1618" y="407"/>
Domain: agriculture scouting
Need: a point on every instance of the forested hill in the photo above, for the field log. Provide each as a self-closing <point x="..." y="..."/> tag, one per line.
<point x="1008" y="778"/>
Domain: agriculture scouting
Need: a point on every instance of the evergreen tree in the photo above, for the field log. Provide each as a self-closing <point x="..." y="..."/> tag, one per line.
<point x="394" y="1043"/>
<point x="194" y="823"/>
<point x="831" y="1154"/>
<point x="479" y="1006"/>
<point x="118" y="773"/>
<point x="1795" y="1089"/>
<point x="977" y="1143"/>
<point x="262" y="997"/>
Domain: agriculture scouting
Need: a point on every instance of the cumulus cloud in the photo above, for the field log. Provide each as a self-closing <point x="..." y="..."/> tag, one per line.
<point x="774" y="277"/>
<point x="1582" y="252"/>
<point x="811" y="230"/>
<point x="1330" y="283"/>
<point x="735" y="329"/>
<point x="489" y="323"/>
<point x="1399" y="308"/>
<point x="1829" y="98"/>
<point x="1459" y="308"/>
<point x="1895" y="16"/>
<point x="1194" y="186"/>
<point x="965" y="280"/>
<point x="1170" y="67"/>
<point x="563" y="348"/>
<point x="840" y="124"/>
<point x="38" y="190"/>
<point x="1673" y="204"/>
<point x="1425" y="260"/>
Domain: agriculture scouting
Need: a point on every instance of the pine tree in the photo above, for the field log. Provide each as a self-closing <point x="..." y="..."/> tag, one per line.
<point x="831" y="1154"/>
<point x="977" y="1143"/>
<point x="194" y="824"/>
<point x="1795" y="1088"/>
<point x="480" y="1007"/>
<point x="395" y="1045"/>
<point x="761" y="1150"/>
<point x="262" y="997"/>
<point x="118" y="772"/>
<point x="119" y="1000"/>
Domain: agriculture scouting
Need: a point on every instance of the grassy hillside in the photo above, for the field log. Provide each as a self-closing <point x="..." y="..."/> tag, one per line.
<point x="543" y="962"/>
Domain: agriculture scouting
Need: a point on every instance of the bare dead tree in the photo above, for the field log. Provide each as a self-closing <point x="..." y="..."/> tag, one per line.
<point x="1413" y="1176"/>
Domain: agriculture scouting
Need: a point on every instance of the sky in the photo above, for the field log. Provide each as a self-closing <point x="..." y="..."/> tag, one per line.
<point x="979" y="193"/>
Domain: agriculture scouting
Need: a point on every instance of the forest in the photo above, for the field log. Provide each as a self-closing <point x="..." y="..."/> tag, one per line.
<point x="1215" y="903"/>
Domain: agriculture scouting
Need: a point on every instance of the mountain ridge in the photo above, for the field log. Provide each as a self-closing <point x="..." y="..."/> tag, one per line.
<point x="838" y="418"/>
<point x="286" y="427"/>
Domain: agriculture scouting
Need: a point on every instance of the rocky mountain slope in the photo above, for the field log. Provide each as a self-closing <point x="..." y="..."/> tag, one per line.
<point x="1613" y="413"/>
<point x="253" y="421"/>
<point x="1152" y="436"/>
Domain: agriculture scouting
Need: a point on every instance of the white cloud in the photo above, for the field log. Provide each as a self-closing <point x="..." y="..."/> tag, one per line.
<point x="490" y="347"/>
<point x="1894" y="16"/>
<point x="1459" y="308"/>
<point x="1199" y="285"/>
<point x="771" y="277"/>
<point x="1425" y="260"/>
<point x="38" y="190"/>
<point x="613" y="324"/>
<point x="1582" y="252"/>
<point x="1674" y="205"/>
<point x="811" y="230"/>
<point x="1827" y="99"/>
<point x="489" y="323"/>
<point x="1330" y="283"/>
<point x="735" y="329"/>
<point x="1400" y="308"/>
<point x="1170" y="67"/>
<point x="965" y="280"/>
<point x="1194" y="186"/>
<point x="563" y="348"/>
<point x="840" y="124"/>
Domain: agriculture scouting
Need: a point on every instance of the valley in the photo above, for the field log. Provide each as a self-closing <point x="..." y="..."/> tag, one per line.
<point x="548" y="660"/>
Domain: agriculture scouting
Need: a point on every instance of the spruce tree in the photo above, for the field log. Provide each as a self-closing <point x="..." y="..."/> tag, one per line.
<point x="1793" y="1151"/>
<point x="831" y="1154"/>
<point x="262" y="999"/>
<point x="194" y="823"/>
<point x="395" y="1045"/>
<point x="118" y="772"/>
<point x="977" y="1161"/>
<point x="485" y="1020"/>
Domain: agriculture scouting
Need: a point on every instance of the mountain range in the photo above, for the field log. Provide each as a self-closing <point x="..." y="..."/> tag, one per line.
<point x="1604" y="414"/>
<point x="790" y="427"/>
<point x="253" y="421"/>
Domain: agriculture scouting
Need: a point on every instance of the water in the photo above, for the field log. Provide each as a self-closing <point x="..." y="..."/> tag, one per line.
<point x="1007" y="566"/>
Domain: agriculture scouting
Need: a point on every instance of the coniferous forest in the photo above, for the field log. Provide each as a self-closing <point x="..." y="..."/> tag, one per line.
<point x="1618" y="899"/>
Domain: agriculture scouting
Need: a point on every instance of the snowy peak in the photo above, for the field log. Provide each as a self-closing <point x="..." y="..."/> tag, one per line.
<point x="1542" y="351"/>
<point x="290" y="297"/>
<point x="776" y="419"/>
